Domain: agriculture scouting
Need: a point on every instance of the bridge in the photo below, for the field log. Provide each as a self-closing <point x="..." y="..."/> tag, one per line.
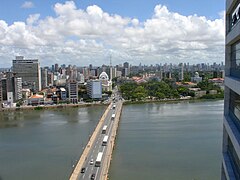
<point x="87" y="166"/>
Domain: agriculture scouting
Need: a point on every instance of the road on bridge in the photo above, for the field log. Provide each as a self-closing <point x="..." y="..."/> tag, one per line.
<point x="91" y="171"/>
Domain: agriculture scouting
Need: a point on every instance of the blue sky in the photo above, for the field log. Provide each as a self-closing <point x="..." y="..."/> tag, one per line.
<point x="86" y="32"/>
<point x="142" y="9"/>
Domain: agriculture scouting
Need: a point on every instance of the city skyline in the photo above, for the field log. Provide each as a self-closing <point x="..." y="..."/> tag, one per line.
<point x="75" y="32"/>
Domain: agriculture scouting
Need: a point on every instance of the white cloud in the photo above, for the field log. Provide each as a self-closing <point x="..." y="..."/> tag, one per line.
<point x="33" y="18"/>
<point x="135" y="22"/>
<point x="27" y="5"/>
<point x="82" y="37"/>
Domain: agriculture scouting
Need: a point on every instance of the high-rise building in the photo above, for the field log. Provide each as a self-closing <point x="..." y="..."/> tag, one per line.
<point x="4" y="89"/>
<point x="72" y="91"/>
<point x="114" y="72"/>
<point x="94" y="89"/>
<point x="80" y="78"/>
<point x="181" y="75"/>
<point x="74" y="72"/>
<point x="231" y="120"/>
<point x="126" y="65"/>
<point x="56" y="67"/>
<point x="90" y="67"/>
<point x="93" y="72"/>
<point x="50" y="79"/>
<point x="44" y="77"/>
<point x="111" y="72"/>
<point x="126" y="69"/>
<point x="17" y="82"/>
<point x="86" y="72"/>
<point x="111" y="69"/>
<point x="11" y="88"/>
<point x="29" y="71"/>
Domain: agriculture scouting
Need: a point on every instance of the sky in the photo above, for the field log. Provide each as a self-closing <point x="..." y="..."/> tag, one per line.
<point x="83" y="32"/>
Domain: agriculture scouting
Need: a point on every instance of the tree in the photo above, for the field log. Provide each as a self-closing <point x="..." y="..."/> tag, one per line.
<point x="19" y="103"/>
<point x="160" y="90"/>
<point x="187" y="77"/>
<point x="160" y="95"/>
<point x="206" y="85"/>
<point x="139" y="93"/>
<point x="127" y="90"/>
<point x="184" y="91"/>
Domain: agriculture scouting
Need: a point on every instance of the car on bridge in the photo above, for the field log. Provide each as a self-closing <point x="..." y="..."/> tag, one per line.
<point x="91" y="162"/>
<point x="83" y="170"/>
<point x="93" y="176"/>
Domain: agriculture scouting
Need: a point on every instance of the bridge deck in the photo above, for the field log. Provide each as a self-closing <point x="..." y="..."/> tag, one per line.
<point x="107" y="157"/>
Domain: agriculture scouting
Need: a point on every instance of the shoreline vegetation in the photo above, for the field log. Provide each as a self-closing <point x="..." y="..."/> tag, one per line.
<point x="171" y="101"/>
<point x="167" y="90"/>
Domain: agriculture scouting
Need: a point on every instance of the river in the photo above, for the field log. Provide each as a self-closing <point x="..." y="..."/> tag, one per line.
<point x="169" y="141"/>
<point x="44" y="144"/>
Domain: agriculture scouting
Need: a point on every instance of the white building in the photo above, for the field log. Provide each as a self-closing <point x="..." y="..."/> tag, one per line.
<point x="80" y="78"/>
<point x="196" y="78"/>
<point x="17" y="88"/>
<point x="106" y="83"/>
<point x="118" y="73"/>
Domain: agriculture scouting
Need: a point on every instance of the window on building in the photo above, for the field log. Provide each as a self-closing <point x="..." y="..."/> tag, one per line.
<point x="235" y="108"/>
<point x="234" y="17"/>
<point x="235" y="60"/>
<point x="234" y="159"/>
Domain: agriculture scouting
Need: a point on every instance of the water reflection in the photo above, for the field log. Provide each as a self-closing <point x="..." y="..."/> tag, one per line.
<point x="16" y="118"/>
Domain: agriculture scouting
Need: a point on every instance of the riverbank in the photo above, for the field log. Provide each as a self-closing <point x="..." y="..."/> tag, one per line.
<point x="64" y="106"/>
<point x="170" y="101"/>
<point x="58" y="106"/>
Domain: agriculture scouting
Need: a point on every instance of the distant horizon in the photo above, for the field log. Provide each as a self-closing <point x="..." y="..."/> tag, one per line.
<point x="95" y="66"/>
<point x="85" y="32"/>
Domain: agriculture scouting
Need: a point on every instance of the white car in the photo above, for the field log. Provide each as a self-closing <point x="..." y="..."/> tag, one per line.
<point x="91" y="162"/>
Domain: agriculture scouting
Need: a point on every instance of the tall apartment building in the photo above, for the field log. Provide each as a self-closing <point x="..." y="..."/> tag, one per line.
<point x="72" y="87"/>
<point x="50" y="79"/>
<point x="126" y="69"/>
<point x="17" y="82"/>
<point x="231" y="121"/>
<point x="44" y="78"/>
<point x="181" y="73"/>
<point x="94" y="89"/>
<point x="29" y="71"/>
<point x="4" y="89"/>
<point x="11" y="88"/>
